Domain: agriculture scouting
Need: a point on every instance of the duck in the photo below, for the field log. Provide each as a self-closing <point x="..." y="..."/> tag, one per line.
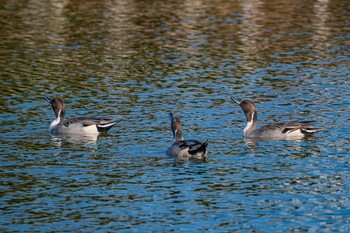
<point x="80" y="125"/>
<point x="284" y="130"/>
<point x="182" y="149"/>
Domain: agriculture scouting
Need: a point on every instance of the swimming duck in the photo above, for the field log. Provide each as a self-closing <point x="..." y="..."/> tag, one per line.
<point x="185" y="149"/>
<point x="286" y="130"/>
<point x="81" y="125"/>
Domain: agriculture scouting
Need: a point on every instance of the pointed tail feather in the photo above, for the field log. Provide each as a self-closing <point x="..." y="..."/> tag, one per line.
<point x="199" y="149"/>
<point x="310" y="131"/>
<point x="106" y="126"/>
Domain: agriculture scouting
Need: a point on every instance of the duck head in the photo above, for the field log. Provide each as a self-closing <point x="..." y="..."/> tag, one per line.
<point x="57" y="105"/>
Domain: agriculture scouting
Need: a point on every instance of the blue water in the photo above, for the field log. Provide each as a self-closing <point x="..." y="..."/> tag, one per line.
<point x="140" y="60"/>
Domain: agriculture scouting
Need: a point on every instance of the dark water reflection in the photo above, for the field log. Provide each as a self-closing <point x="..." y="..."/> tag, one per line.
<point x="140" y="60"/>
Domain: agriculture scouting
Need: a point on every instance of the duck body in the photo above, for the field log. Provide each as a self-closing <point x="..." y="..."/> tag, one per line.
<point x="284" y="130"/>
<point x="83" y="125"/>
<point x="188" y="149"/>
<point x="185" y="149"/>
<point x="80" y="125"/>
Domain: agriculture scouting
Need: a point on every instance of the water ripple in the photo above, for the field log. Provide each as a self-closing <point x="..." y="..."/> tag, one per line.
<point x="140" y="60"/>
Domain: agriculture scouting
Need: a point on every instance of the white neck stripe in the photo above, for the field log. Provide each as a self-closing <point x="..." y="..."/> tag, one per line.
<point x="249" y="124"/>
<point x="57" y="120"/>
<point x="176" y="135"/>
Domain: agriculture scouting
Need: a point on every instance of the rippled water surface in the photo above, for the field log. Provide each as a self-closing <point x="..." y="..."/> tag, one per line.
<point x="139" y="60"/>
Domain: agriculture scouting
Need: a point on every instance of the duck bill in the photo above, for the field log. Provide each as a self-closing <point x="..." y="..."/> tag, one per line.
<point x="236" y="101"/>
<point x="47" y="99"/>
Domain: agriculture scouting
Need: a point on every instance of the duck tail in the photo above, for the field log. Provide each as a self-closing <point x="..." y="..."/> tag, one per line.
<point x="104" y="127"/>
<point x="199" y="149"/>
<point x="310" y="131"/>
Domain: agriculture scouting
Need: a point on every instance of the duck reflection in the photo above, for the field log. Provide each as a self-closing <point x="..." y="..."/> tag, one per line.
<point x="66" y="140"/>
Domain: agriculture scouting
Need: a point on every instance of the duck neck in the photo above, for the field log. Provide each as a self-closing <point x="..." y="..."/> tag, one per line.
<point x="178" y="135"/>
<point x="251" y="124"/>
<point x="58" y="120"/>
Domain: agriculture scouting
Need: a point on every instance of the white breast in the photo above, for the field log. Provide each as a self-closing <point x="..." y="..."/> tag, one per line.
<point x="249" y="125"/>
<point x="56" y="121"/>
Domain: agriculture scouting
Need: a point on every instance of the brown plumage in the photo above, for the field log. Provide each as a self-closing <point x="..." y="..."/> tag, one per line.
<point x="80" y="125"/>
<point x="286" y="130"/>
<point x="185" y="149"/>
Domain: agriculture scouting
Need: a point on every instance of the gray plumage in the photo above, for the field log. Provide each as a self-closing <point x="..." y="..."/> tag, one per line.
<point x="185" y="149"/>
<point x="286" y="130"/>
<point x="81" y="125"/>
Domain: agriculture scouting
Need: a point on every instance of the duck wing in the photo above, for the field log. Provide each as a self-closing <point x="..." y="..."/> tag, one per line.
<point x="288" y="128"/>
<point x="188" y="148"/>
<point x="102" y="124"/>
<point x="194" y="146"/>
